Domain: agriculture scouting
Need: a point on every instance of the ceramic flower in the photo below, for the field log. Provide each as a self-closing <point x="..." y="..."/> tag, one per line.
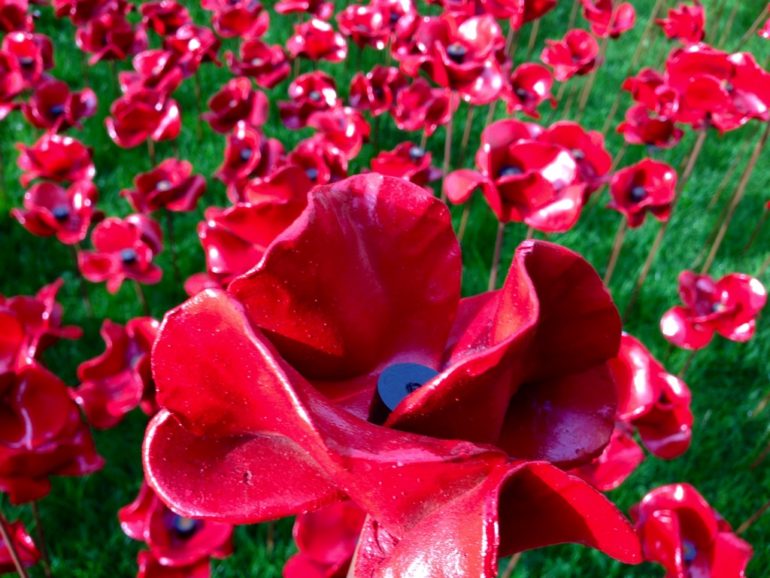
<point x="387" y="413"/>
<point x="309" y="93"/>
<point x="236" y="102"/>
<point x="193" y="45"/>
<point x="12" y="83"/>
<point x="119" y="379"/>
<point x="123" y="249"/>
<point x="80" y="12"/>
<point x="164" y="16"/>
<point x="56" y="158"/>
<point x="110" y="36"/>
<point x="29" y="324"/>
<point x="143" y="115"/>
<point x="422" y="107"/>
<point x="43" y="434"/>
<point x="317" y="40"/>
<point x="266" y="64"/>
<point x="322" y="162"/>
<point x="728" y="307"/>
<point x="648" y="186"/>
<point x="326" y="540"/>
<point x="50" y="209"/>
<point x="685" y="22"/>
<point x="171" y="185"/>
<point x="608" y="17"/>
<point x="154" y="70"/>
<point x="574" y="55"/>
<point x="15" y="16"/>
<point x="366" y="25"/>
<point x="643" y="127"/>
<point x="28" y="553"/>
<point x="407" y="161"/>
<point x="530" y="86"/>
<point x="320" y="9"/>
<point x="377" y="90"/>
<point x="238" y="18"/>
<point x="33" y="54"/>
<point x="344" y="128"/>
<point x="684" y="534"/>
<point x="53" y="106"/>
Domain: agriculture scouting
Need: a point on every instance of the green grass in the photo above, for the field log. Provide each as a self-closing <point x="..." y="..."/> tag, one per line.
<point x="727" y="379"/>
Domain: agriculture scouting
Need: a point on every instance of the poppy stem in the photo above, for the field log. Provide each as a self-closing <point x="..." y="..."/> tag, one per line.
<point x="491" y="113"/>
<point x="761" y="405"/>
<point x="270" y="540"/>
<point x="41" y="540"/>
<point x="172" y="245"/>
<point x="756" y="232"/>
<point x="690" y="165"/>
<point x="151" y="150"/>
<point x="467" y="131"/>
<point x="617" y="245"/>
<point x="763" y="268"/>
<point x="753" y="28"/>
<point x="513" y="562"/>
<point x="737" y="197"/>
<point x="463" y="222"/>
<point x="589" y="84"/>
<point x="295" y="68"/>
<point x="447" y="150"/>
<point x="511" y="42"/>
<point x="729" y="26"/>
<point x="573" y="15"/>
<point x="6" y="536"/>
<point x="761" y="457"/>
<point x="142" y="298"/>
<point x="530" y="233"/>
<point x="753" y="518"/>
<point x="82" y="282"/>
<point x="687" y="364"/>
<point x="496" y="257"/>
<point x="533" y="37"/>
<point x="199" y="101"/>
<point x="424" y="140"/>
<point x="728" y="176"/>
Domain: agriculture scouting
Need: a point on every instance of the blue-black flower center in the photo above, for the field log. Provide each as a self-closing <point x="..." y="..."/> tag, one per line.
<point x="184" y="527"/>
<point x="128" y="256"/>
<point x="456" y="52"/>
<point x="689" y="552"/>
<point x="400" y="379"/>
<point x="163" y="185"/>
<point x="521" y="93"/>
<point x="56" y="110"/>
<point x="314" y="95"/>
<point x="26" y="61"/>
<point x="246" y="154"/>
<point x="312" y="173"/>
<point x="638" y="193"/>
<point x="394" y="17"/>
<point x="416" y="153"/>
<point x="257" y="61"/>
<point x="509" y="171"/>
<point x="61" y="212"/>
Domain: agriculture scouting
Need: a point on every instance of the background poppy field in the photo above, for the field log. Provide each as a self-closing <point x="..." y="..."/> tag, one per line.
<point x="727" y="379"/>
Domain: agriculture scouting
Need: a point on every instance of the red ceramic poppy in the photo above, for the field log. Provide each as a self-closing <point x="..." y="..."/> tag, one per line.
<point x="248" y="154"/>
<point x="11" y="83"/>
<point x="123" y="249"/>
<point x="236" y="102"/>
<point x="608" y="17"/>
<point x="119" y="380"/>
<point x="458" y="55"/>
<point x="80" y="12"/>
<point x="326" y="540"/>
<point x="143" y="115"/>
<point x="729" y="307"/>
<point x="523" y="178"/>
<point x="309" y="93"/>
<point x="238" y="18"/>
<point x="683" y="533"/>
<point x="648" y="186"/>
<point x="367" y="25"/>
<point x="23" y="546"/>
<point x="407" y="161"/>
<point x="234" y="239"/>
<point x="32" y="52"/>
<point x="156" y="70"/>
<point x="649" y="88"/>
<point x="15" y="16"/>
<point x="530" y="86"/>
<point x="174" y="541"/>
<point x="376" y="91"/>
<point x="56" y="158"/>
<point x="266" y="64"/>
<point x="686" y="23"/>
<point x="643" y="126"/>
<point x="586" y="147"/>
<point x="29" y="324"/>
<point x="764" y="32"/>
<point x="193" y="45"/>
<point x="338" y="406"/>
<point x="110" y="36"/>
<point x="574" y="55"/>
<point x="54" y="107"/>
<point x="422" y="107"/>
<point x="50" y="209"/>
<point x="149" y="567"/>
<point x="171" y="186"/>
<point x="322" y="162"/>
<point x="164" y="16"/>
<point x="320" y="9"/>
<point x="42" y="435"/>
<point x="344" y="128"/>
<point x="317" y="40"/>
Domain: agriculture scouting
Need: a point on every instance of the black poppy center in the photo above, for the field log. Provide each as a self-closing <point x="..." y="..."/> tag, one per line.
<point x="689" y="551"/>
<point x="578" y="155"/>
<point x="184" y="527"/>
<point x="61" y="212"/>
<point x="456" y="52"/>
<point x="26" y="61"/>
<point x="416" y="153"/>
<point x="246" y="154"/>
<point x="509" y="171"/>
<point x="638" y="193"/>
<point x="394" y="17"/>
<point x="56" y="110"/>
<point x="314" y="95"/>
<point x="312" y="173"/>
<point x="522" y="93"/>
<point x="128" y="256"/>
<point x="400" y="379"/>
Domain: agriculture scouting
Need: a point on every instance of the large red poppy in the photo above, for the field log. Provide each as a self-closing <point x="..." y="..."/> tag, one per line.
<point x="143" y="115"/>
<point x="56" y="158"/>
<point x="301" y="386"/>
